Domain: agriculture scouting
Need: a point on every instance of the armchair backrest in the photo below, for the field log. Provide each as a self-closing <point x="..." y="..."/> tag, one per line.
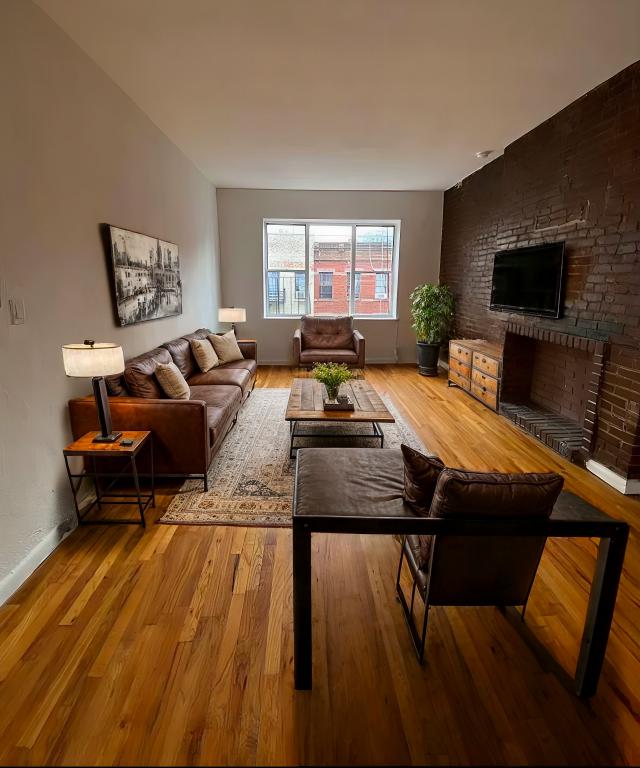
<point x="326" y="332"/>
<point x="488" y="570"/>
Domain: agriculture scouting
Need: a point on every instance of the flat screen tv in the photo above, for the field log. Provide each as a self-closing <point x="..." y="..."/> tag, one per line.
<point x="529" y="280"/>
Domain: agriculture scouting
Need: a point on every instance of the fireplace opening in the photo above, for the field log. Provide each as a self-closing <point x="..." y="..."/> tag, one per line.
<point x="549" y="388"/>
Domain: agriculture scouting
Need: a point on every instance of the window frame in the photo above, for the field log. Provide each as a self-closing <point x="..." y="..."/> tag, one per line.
<point x="386" y="286"/>
<point x="354" y="224"/>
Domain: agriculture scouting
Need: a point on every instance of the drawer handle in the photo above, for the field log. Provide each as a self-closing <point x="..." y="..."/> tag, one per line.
<point x="484" y="389"/>
<point x="484" y="359"/>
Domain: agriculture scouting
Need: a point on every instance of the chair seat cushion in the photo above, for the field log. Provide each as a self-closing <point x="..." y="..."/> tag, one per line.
<point x="315" y="355"/>
<point x="236" y="377"/>
<point x="350" y="481"/>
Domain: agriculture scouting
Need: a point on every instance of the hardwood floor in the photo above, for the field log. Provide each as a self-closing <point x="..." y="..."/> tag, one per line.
<point x="174" y="645"/>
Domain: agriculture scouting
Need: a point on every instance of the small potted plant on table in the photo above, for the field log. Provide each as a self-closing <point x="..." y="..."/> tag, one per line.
<point x="432" y="312"/>
<point x="332" y="375"/>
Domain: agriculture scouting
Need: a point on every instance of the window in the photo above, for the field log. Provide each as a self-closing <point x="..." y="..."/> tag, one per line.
<point x="382" y="285"/>
<point x="330" y="268"/>
<point x="326" y="285"/>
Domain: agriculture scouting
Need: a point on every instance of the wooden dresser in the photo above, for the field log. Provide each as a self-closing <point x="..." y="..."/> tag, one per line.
<point x="475" y="365"/>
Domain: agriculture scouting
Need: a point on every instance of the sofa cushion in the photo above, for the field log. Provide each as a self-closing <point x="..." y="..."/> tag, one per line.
<point x="326" y="332"/>
<point x="116" y="385"/>
<point x="329" y="355"/>
<point x="172" y="381"/>
<point x="139" y="373"/>
<point x="226" y="346"/>
<point x="217" y="395"/>
<point x="420" y="477"/>
<point x="204" y="354"/>
<point x="234" y="376"/>
<point x="180" y="351"/>
<point x="494" y="494"/>
<point x="240" y="365"/>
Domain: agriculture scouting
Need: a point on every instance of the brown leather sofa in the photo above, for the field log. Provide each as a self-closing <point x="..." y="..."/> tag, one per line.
<point x="327" y="340"/>
<point x="186" y="433"/>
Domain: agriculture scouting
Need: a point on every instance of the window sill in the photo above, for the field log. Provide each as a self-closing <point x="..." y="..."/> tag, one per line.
<point x="355" y="317"/>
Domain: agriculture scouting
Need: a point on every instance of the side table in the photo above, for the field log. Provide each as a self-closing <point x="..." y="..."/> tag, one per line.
<point x="87" y="449"/>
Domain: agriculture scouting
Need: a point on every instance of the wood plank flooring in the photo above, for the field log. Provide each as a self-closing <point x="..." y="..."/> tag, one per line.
<point x="174" y="645"/>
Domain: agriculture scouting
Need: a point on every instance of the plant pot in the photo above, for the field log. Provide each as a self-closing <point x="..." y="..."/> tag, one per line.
<point x="332" y="393"/>
<point x="428" y="358"/>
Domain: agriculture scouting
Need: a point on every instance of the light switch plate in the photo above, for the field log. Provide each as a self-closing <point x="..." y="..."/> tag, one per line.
<point x="16" y="311"/>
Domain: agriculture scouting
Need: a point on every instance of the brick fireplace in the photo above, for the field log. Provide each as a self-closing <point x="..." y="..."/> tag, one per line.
<point x="575" y="178"/>
<point x="551" y="386"/>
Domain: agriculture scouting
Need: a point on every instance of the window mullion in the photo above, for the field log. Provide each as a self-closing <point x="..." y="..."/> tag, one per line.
<point x="352" y="278"/>
<point x="307" y="277"/>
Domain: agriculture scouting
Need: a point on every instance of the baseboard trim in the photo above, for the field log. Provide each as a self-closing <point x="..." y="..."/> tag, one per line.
<point x="620" y="483"/>
<point x="16" y="577"/>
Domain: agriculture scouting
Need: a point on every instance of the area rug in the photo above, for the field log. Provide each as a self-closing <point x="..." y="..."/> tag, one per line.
<point x="251" y="477"/>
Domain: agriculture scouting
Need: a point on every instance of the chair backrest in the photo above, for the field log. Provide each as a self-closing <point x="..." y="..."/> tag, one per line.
<point x="326" y="332"/>
<point x="488" y="570"/>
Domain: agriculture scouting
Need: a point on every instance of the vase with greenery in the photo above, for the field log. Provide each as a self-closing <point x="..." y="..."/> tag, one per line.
<point x="332" y="375"/>
<point x="432" y="308"/>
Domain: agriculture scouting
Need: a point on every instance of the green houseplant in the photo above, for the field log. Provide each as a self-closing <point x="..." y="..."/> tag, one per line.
<point x="332" y="375"/>
<point x="432" y="308"/>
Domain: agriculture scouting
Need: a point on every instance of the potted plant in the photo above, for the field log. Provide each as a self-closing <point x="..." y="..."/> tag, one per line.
<point x="332" y="375"/>
<point x="432" y="312"/>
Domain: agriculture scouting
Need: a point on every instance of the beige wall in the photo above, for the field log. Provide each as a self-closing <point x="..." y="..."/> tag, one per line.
<point x="75" y="151"/>
<point x="241" y="213"/>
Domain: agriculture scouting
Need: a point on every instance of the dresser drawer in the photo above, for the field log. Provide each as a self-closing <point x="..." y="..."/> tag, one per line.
<point x="460" y="352"/>
<point x="459" y="379"/>
<point x="464" y="369"/>
<point x="482" y="393"/>
<point x="486" y="364"/>
<point x="482" y="380"/>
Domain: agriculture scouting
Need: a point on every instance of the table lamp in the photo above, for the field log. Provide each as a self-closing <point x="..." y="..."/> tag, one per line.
<point x="232" y="315"/>
<point x="96" y="360"/>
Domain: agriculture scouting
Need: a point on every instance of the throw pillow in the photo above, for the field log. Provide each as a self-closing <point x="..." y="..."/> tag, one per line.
<point x="226" y="347"/>
<point x="173" y="383"/>
<point x="495" y="494"/>
<point x="420" y="477"/>
<point x="204" y="354"/>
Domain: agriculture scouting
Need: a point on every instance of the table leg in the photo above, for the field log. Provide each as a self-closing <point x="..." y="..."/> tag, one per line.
<point x="602" y="601"/>
<point x="74" y="490"/>
<point x="292" y="433"/>
<point x="302" y="606"/>
<point x="153" y="477"/>
<point x="96" y="482"/>
<point x="134" y="469"/>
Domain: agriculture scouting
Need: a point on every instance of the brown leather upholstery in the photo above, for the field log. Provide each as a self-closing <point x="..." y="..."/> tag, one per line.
<point x="326" y="332"/>
<point x="139" y="373"/>
<point x="310" y="356"/>
<point x="484" y="570"/>
<point x="186" y="433"/>
<point x="328" y="339"/>
<point x="421" y="474"/>
<point x="180" y="429"/>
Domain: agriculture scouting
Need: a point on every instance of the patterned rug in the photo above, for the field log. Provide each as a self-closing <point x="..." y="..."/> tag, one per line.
<point x="251" y="477"/>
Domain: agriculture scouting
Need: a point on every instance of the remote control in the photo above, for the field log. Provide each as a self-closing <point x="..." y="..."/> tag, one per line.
<point x="126" y="441"/>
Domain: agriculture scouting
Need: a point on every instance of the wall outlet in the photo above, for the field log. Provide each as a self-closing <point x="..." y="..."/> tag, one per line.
<point x="16" y="311"/>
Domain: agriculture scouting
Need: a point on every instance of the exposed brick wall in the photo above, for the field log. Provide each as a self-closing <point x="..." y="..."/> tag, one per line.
<point x="574" y="178"/>
<point x="559" y="380"/>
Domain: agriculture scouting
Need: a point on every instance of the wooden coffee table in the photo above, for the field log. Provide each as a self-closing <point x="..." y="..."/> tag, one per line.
<point x="305" y="405"/>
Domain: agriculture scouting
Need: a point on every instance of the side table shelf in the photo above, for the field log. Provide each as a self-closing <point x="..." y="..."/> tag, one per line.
<point x="85" y="448"/>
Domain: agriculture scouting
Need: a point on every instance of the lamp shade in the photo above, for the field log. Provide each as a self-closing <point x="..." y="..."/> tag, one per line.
<point x="92" y="359"/>
<point x="232" y="315"/>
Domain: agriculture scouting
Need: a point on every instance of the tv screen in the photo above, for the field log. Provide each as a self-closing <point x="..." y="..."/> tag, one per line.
<point x="529" y="280"/>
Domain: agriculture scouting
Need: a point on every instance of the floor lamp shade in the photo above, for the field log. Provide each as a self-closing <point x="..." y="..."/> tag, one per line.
<point x="96" y="360"/>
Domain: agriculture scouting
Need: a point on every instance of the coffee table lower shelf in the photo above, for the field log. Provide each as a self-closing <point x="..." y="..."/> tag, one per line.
<point x="377" y="433"/>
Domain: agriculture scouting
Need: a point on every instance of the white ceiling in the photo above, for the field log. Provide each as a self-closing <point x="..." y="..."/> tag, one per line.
<point x="350" y="94"/>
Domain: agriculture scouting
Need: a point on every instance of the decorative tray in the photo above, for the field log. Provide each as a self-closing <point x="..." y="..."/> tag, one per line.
<point x="338" y="405"/>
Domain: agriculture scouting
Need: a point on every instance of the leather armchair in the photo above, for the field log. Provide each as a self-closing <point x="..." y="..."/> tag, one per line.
<point x="328" y="339"/>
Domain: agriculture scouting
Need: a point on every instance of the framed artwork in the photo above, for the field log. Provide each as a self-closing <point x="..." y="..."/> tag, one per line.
<point x="146" y="276"/>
